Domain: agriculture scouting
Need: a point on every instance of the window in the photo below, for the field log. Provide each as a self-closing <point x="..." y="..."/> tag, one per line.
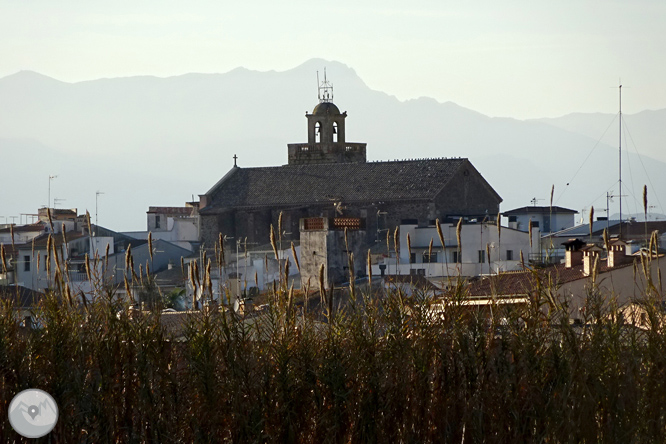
<point x="417" y="272"/>
<point x="317" y="132"/>
<point x="412" y="258"/>
<point x="157" y="222"/>
<point x="509" y="255"/>
<point x="429" y="258"/>
<point x="457" y="257"/>
<point x="26" y="263"/>
<point x="482" y="256"/>
<point x="335" y="133"/>
<point x="46" y="258"/>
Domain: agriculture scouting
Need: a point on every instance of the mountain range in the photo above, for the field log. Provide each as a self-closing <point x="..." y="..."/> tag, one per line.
<point x="145" y="141"/>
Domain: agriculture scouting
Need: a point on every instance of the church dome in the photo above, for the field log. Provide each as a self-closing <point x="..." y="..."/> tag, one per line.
<point x="325" y="108"/>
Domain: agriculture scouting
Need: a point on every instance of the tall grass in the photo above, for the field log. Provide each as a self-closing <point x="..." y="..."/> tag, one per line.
<point x="380" y="367"/>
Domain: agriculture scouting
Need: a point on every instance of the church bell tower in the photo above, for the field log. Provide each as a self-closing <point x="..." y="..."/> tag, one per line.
<point x="326" y="134"/>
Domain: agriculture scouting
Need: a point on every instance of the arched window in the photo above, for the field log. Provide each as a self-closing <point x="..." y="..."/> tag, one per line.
<point x="335" y="132"/>
<point x="317" y="132"/>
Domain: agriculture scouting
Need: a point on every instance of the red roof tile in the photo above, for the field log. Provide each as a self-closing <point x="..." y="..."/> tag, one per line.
<point x="523" y="282"/>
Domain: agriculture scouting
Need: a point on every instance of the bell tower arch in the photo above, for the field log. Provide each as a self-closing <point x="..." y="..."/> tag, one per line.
<point x="326" y="134"/>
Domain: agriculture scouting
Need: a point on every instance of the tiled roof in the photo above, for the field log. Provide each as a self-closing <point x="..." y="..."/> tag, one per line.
<point x="417" y="281"/>
<point x="584" y="230"/>
<point x="42" y="240"/>
<point x="324" y="183"/>
<point x="171" y="277"/>
<point x="21" y="296"/>
<point x="30" y="228"/>
<point x="10" y="250"/>
<point x="522" y="282"/>
<point x="171" y="210"/>
<point x="174" y="323"/>
<point x="629" y="229"/>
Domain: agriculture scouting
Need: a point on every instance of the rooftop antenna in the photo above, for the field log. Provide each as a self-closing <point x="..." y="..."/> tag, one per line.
<point x="609" y="198"/>
<point x="51" y="177"/>
<point x="56" y="201"/>
<point x="535" y="201"/>
<point x="620" y="158"/>
<point x="96" y="221"/>
<point x="324" y="89"/>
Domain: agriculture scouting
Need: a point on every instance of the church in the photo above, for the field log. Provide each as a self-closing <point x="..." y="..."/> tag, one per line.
<point x="331" y="177"/>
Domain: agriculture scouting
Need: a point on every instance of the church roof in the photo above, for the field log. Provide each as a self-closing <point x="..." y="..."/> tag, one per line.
<point x="324" y="183"/>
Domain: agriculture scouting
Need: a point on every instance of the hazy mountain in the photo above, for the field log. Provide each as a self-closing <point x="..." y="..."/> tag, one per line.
<point x="158" y="141"/>
<point x="643" y="133"/>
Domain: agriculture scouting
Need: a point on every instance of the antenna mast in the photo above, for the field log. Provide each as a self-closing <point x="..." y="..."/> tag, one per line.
<point x="324" y="89"/>
<point x="96" y="222"/>
<point x="620" y="158"/>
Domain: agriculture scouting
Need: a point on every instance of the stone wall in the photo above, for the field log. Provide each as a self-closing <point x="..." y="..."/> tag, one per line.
<point x="327" y="247"/>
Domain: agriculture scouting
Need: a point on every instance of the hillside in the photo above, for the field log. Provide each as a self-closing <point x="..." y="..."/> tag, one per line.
<point x="159" y="141"/>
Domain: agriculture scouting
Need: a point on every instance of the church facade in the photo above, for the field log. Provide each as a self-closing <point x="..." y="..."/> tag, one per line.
<point x="330" y="177"/>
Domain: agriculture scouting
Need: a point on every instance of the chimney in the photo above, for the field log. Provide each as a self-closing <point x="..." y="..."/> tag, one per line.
<point x="617" y="253"/>
<point x="590" y="256"/>
<point x="573" y="254"/>
<point x="513" y="222"/>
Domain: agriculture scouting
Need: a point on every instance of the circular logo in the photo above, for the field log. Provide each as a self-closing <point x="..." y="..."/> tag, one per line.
<point x="33" y="413"/>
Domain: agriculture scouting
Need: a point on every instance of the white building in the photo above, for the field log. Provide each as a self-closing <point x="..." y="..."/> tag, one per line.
<point x="483" y="250"/>
<point x="547" y="219"/>
<point x="178" y="225"/>
<point x="21" y="233"/>
<point x="247" y="273"/>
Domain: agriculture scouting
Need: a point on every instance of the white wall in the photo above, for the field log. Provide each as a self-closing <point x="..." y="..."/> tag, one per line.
<point x="558" y="221"/>
<point x="474" y="238"/>
<point x="182" y="231"/>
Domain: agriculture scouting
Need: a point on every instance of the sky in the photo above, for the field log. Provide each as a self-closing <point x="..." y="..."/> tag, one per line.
<point x="521" y="59"/>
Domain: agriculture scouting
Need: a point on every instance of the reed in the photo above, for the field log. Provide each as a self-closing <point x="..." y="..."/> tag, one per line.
<point x="386" y="368"/>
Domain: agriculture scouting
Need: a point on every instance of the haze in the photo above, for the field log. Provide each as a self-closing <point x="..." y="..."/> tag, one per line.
<point x="515" y="59"/>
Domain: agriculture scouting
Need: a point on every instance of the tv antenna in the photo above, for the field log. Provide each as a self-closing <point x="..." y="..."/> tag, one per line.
<point x="534" y="201"/>
<point x="97" y="193"/>
<point x="324" y="89"/>
<point x="609" y="198"/>
<point x="51" y="177"/>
